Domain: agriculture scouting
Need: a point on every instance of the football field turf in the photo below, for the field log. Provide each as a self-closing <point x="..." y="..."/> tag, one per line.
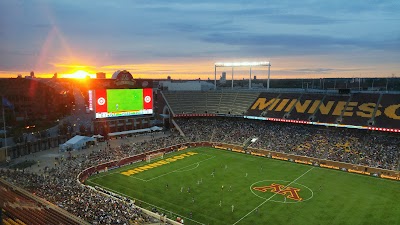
<point x="252" y="190"/>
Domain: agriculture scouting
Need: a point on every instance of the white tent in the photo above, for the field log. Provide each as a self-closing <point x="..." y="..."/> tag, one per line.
<point x="98" y="137"/>
<point x="155" y="128"/>
<point x="76" y="143"/>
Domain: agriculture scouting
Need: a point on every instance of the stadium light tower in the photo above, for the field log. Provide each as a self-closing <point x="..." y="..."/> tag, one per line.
<point x="241" y="64"/>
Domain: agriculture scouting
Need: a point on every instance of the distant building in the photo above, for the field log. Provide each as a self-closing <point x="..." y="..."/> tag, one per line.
<point x="31" y="75"/>
<point x="196" y="85"/>
<point x="101" y="75"/>
<point x="222" y="80"/>
<point x="36" y="99"/>
<point x="257" y="85"/>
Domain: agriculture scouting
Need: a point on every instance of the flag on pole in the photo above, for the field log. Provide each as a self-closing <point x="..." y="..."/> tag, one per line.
<point x="7" y="103"/>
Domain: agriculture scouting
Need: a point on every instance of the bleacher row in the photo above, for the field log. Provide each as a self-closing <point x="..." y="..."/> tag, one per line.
<point x="10" y="221"/>
<point x="235" y="103"/>
<point x="19" y="209"/>
<point x="359" y="109"/>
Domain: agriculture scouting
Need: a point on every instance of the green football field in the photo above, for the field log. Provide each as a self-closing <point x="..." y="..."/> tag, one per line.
<point x="120" y="100"/>
<point x="251" y="190"/>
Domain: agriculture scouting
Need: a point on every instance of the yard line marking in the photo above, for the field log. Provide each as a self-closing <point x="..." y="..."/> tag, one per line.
<point x="272" y="196"/>
<point x="133" y="177"/>
<point x="197" y="165"/>
<point x="130" y="197"/>
<point x="179" y="169"/>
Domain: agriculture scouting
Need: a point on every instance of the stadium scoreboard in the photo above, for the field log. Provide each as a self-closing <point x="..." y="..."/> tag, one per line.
<point x="109" y="103"/>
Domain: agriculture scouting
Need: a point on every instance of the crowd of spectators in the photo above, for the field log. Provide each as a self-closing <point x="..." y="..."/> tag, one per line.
<point x="60" y="186"/>
<point x="369" y="148"/>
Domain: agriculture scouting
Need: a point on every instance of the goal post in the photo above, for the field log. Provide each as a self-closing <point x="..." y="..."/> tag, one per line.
<point x="155" y="156"/>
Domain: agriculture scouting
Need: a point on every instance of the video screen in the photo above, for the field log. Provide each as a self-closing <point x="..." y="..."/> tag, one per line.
<point x="123" y="102"/>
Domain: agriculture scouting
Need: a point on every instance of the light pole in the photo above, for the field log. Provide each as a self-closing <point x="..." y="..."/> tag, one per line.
<point x="269" y="70"/>
<point x="250" y="79"/>
<point x="215" y="77"/>
<point x="387" y="82"/>
<point x="232" y="77"/>
<point x="241" y="64"/>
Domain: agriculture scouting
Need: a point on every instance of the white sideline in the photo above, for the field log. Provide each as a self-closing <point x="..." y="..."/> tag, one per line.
<point x="272" y="196"/>
<point x="179" y="169"/>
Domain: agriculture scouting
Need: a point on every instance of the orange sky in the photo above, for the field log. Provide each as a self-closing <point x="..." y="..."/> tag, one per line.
<point x="281" y="68"/>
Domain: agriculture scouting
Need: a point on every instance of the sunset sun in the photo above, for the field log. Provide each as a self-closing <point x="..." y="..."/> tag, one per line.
<point x="79" y="74"/>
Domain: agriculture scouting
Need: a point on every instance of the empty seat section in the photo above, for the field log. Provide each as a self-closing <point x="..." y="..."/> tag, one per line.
<point x="226" y="103"/>
<point x="213" y="99"/>
<point x="243" y="102"/>
<point x="186" y="104"/>
<point x="199" y="100"/>
<point x="173" y="100"/>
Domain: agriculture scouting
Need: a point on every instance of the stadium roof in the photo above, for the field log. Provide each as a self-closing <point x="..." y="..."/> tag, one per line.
<point x="155" y="128"/>
<point x="115" y="74"/>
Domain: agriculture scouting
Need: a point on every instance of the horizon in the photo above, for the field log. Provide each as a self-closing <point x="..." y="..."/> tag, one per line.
<point x="183" y="40"/>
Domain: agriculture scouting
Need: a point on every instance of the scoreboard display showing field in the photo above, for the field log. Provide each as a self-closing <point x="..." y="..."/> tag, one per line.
<point x="123" y="102"/>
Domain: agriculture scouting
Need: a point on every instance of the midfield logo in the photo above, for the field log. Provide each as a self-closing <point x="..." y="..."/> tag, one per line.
<point x="288" y="192"/>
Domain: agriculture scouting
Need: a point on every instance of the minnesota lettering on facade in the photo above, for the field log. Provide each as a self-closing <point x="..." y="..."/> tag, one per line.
<point x="335" y="108"/>
<point x="157" y="164"/>
<point x="288" y="192"/>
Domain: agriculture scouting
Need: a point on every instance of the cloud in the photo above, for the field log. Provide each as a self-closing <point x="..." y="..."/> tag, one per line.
<point x="292" y="43"/>
<point x="321" y="70"/>
<point x="58" y="65"/>
<point x="300" y="19"/>
<point x="192" y="27"/>
<point x="285" y="40"/>
<point x="42" y="26"/>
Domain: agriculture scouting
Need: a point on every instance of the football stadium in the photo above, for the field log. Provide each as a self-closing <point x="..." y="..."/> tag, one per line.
<point x="199" y="112"/>
<point x="222" y="157"/>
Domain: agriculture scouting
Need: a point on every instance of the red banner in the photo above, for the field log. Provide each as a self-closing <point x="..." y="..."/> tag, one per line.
<point x="101" y="100"/>
<point x="147" y="98"/>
